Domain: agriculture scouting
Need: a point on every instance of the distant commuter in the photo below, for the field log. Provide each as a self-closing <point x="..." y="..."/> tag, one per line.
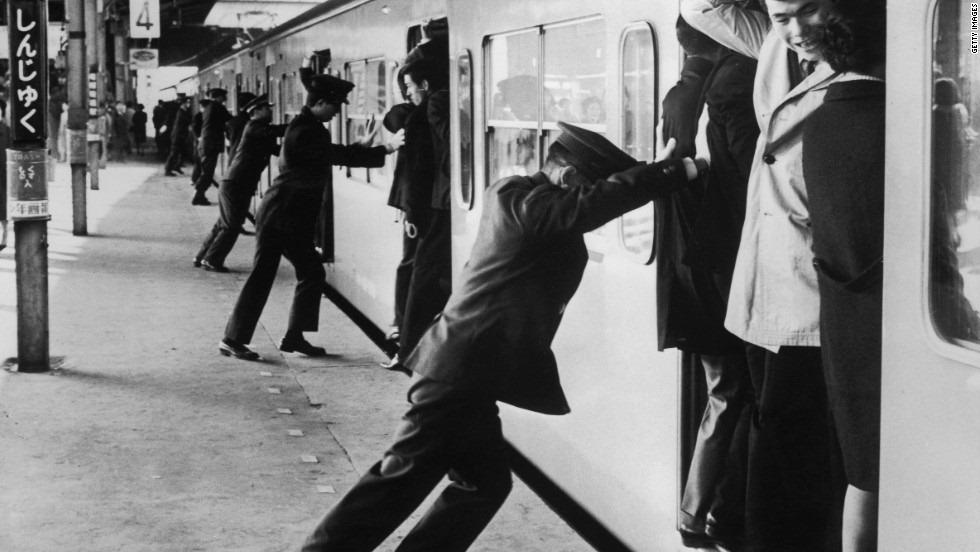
<point x="161" y="136"/>
<point x="844" y="169"/>
<point x="236" y="125"/>
<point x="179" y="137"/>
<point x="138" y="128"/>
<point x="774" y="302"/>
<point x="287" y="217"/>
<point x="212" y="143"/>
<point x="493" y="343"/>
<point x="427" y="201"/>
<point x="4" y="144"/>
<point x="197" y="124"/>
<point x="697" y="240"/>
<point x="258" y="143"/>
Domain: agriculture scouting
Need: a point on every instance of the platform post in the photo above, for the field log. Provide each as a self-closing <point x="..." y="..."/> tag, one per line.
<point x="27" y="183"/>
<point x="77" y="98"/>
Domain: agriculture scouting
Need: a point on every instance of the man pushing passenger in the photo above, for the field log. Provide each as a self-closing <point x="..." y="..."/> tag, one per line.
<point x="492" y="343"/>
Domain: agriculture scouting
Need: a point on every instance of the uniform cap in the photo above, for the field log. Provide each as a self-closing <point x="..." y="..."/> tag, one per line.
<point x="217" y="92"/>
<point x="244" y="98"/>
<point x="594" y="153"/>
<point x="330" y="88"/>
<point x="257" y="103"/>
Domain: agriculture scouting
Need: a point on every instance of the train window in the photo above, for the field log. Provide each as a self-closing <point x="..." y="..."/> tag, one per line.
<point x="512" y="95"/>
<point x="575" y="74"/>
<point x="368" y="100"/>
<point x="954" y="263"/>
<point x="639" y="89"/>
<point x="464" y="95"/>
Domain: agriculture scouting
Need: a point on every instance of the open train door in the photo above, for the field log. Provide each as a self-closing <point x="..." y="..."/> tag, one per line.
<point x="929" y="497"/>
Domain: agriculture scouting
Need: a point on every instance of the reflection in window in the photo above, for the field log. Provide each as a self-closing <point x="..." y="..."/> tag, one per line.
<point x="575" y="73"/>
<point x="465" y="92"/>
<point x="513" y="152"/>
<point x="513" y="78"/>
<point x="954" y="286"/>
<point x="639" y="121"/>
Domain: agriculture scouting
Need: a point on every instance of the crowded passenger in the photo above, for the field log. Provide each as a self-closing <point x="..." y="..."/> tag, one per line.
<point x="179" y="137"/>
<point x="845" y="184"/>
<point x="774" y="300"/>
<point x="259" y="141"/>
<point x="287" y="217"/>
<point x="493" y="343"/>
<point x="696" y="235"/>
<point x="138" y="128"/>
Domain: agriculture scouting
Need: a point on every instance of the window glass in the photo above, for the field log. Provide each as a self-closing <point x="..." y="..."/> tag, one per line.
<point x="575" y="73"/>
<point x="636" y="228"/>
<point x="513" y="152"/>
<point x="464" y="92"/>
<point x="368" y="99"/>
<point x="513" y="93"/>
<point x="954" y="266"/>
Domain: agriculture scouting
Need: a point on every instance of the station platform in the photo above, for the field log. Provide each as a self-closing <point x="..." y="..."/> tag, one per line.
<point x="142" y="437"/>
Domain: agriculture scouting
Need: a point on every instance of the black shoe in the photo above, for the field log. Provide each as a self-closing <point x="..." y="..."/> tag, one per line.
<point x="213" y="268"/>
<point x="300" y="345"/>
<point x="230" y="347"/>
<point x="178" y="171"/>
<point x="197" y="262"/>
<point x="395" y="365"/>
<point x="200" y="201"/>
<point x="170" y="173"/>
<point x="245" y="232"/>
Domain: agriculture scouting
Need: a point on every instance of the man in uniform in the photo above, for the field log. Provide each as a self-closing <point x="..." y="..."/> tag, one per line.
<point x="493" y="343"/>
<point x="236" y="125"/>
<point x="212" y="142"/>
<point x="179" y="136"/>
<point x="258" y="143"/>
<point x="287" y="218"/>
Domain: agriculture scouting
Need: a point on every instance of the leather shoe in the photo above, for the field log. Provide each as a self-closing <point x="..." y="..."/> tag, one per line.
<point x="395" y="365"/>
<point x="197" y="262"/>
<point x="302" y="346"/>
<point x="200" y="201"/>
<point x="213" y="268"/>
<point x="230" y="347"/>
<point x="178" y="171"/>
<point x="170" y="173"/>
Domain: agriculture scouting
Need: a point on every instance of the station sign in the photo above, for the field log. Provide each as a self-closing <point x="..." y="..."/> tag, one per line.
<point x="144" y="58"/>
<point x="144" y="18"/>
<point x="28" y="70"/>
<point x="27" y="184"/>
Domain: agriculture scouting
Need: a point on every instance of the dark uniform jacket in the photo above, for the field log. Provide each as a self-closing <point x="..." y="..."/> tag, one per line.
<point x="258" y="143"/>
<point x="213" y="128"/>
<point x="234" y="129"/>
<point x="495" y="332"/>
<point x="415" y="170"/>
<point x="181" y="127"/>
<point x="304" y="188"/>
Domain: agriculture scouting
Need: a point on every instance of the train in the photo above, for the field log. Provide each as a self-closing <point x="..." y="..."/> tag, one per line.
<point x="619" y="460"/>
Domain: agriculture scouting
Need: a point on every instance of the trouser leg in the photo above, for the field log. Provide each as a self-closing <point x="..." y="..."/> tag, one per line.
<point x="232" y="217"/>
<point x="209" y="241"/>
<point x="209" y="162"/>
<point x="444" y="427"/>
<point x="304" y="315"/>
<point x="430" y="286"/>
<point x="245" y="316"/>
<point x="727" y="381"/>
<point x="403" y="276"/>
<point x="789" y="494"/>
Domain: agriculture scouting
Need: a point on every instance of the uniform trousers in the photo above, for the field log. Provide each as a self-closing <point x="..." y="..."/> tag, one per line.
<point x="177" y="156"/>
<point x="209" y="162"/>
<point x="790" y="493"/>
<point x="431" y="283"/>
<point x="232" y="211"/>
<point x="715" y="490"/>
<point x="446" y="430"/>
<point x="270" y="245"/>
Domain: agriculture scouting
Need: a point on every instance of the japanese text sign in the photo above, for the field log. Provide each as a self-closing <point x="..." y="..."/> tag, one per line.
<point x="28" y="24"/>
<point x="27" y="184"/>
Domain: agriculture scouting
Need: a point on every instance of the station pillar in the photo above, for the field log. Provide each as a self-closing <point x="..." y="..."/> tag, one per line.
<point x="77" y="116"/>
<point x="27" y="164"/>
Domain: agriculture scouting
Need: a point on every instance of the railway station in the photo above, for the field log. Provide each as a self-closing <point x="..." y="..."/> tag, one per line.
<point x="448" y="275"/>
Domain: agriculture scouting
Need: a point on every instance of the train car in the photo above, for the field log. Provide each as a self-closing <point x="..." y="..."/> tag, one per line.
<point x="517" y="68"/>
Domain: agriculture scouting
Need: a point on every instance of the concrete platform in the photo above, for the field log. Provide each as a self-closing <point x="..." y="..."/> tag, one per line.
<point x="142" y="437"/>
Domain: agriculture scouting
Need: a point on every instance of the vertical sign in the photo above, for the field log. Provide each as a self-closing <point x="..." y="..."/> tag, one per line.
<point x="144" y="18"/>
<point x="28" y="70"/>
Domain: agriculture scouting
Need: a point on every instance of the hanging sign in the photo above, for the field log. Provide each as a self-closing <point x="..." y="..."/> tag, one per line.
<point x="28" y="70"/>
<point x="144" y="18"/>
<point x="144" y="58"/>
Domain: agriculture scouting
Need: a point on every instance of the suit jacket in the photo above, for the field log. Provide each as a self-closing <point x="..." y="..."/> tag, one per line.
<point x="213" y="128"/>
<point x="234" y="129"/>
<point x="415" y="170"/>
<point x="258" y="143"/>
<point x="301" y="198"/>
<point x="495" y="332"/>
<point x="181" y="127"/>
<point x="438" y="115"/>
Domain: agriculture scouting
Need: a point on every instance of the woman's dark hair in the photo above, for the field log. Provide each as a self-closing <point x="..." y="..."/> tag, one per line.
<point x="853" y="37"/>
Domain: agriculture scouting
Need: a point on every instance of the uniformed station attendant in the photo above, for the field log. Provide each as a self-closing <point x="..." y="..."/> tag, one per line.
<point x="212" y="142"/>
<point x="259" y="141"/>
<point x="287" y="217"/>
<point x="493" y="343"/>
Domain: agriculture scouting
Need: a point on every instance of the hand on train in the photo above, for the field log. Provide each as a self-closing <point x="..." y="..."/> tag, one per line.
<point x="667" y="151"/>
<point x="370" y="132"/>
<point x="396" y="141"/>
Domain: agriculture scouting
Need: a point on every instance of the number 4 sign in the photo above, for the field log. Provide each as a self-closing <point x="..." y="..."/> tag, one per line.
<point x="144" y="18"/>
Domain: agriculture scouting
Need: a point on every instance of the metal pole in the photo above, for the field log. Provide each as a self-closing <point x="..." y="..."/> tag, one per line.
<point x="27" y="179"/>
<point x="77" y="96"/>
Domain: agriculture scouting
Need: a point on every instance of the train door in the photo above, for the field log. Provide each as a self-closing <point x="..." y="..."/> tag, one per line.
<point x="929" y="498"/>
